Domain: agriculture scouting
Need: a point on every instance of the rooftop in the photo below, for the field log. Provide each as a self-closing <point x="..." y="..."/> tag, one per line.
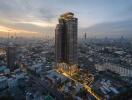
<point x="48" y="97"/>
<point x="67" y="15"/>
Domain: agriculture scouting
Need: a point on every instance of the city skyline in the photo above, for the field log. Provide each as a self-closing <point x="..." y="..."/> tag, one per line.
<point x="36" y="18"/>
<point x="66" y="66"/>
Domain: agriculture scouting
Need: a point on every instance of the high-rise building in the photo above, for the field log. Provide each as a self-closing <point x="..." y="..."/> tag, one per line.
<point x="11" y="56"/>
<point x="85" y="36"/>
<point x="66" y="39"/>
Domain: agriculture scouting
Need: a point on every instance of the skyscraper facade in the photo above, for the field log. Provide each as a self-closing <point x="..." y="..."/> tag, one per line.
<point x="11" y="56"/>
<point x="66" y="39"/>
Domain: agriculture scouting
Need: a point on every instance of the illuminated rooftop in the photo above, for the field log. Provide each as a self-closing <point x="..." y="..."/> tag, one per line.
<point x="67" y="15"/>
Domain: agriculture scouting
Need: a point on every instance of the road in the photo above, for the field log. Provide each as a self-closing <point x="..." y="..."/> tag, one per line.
<point x="85" y="86"/>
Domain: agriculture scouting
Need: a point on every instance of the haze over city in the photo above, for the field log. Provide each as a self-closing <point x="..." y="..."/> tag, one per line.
<point x="65" y="50"/>
<point x="98" y="18"/>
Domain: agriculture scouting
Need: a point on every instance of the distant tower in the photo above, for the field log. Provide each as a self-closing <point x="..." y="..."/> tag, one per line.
<point x="66" y="39"/>
<point x="122" y="38"/>
<point x="11" y="56"/>
<point x="85" y="36"/>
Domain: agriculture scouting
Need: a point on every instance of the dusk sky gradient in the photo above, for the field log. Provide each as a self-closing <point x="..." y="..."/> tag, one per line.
<point x="39" y="17"/>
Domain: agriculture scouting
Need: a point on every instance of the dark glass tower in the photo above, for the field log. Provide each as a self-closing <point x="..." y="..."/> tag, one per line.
<point x="66" y="39"/>
<point x="11" y="56"/>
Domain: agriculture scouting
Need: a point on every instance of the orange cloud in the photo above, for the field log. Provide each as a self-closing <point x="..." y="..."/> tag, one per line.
<point x="39" y="23"/>
<point x="11" y="30"/>
<point x="5" y="31"/>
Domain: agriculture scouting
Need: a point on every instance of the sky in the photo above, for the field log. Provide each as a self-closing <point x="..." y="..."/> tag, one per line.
<point x="39" y="17"/>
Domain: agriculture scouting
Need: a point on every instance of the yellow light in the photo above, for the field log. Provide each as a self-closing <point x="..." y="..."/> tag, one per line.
<point x="39" y="23"/>
<point x="11" y="30"/>
<point x="84" y="84"/>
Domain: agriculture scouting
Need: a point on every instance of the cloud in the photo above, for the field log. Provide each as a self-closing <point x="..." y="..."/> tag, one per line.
<point x="25" y="9"/>
<point x="41" y="15"/>
<point x="27" y="15"/>
<point x="110" y="29"/>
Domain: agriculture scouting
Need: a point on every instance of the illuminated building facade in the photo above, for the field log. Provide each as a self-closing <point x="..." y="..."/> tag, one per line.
<point x="66" y="43"/>
<point x="66" y="39"/>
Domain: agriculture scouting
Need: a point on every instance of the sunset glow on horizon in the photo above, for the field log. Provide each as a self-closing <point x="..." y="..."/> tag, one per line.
<point x="5" y="32"/>
<point x="101" y="18"/>
<point x="10" y="30"/>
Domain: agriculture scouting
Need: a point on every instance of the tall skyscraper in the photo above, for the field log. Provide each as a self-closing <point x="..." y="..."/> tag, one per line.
<point x="66" y="39"/>
<point x="11" y="56"/>
<point x="85" y="36"/>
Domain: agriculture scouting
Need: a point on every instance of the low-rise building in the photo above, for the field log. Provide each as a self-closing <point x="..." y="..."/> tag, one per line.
<point x="12" y="82"/>
<point x="114" y="68"/>
<point x="3" y="82"/>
